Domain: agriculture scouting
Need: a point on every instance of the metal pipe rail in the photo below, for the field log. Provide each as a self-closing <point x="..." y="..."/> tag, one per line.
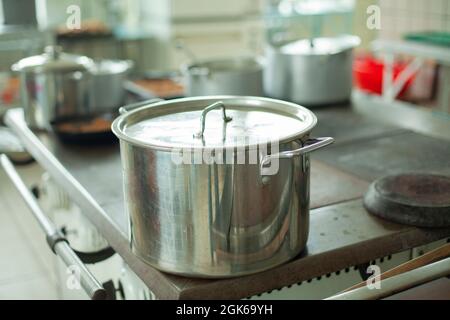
<point x="55" y="239"/>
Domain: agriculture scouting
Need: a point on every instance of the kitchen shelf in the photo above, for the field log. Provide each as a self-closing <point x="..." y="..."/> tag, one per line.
<point x="388" y="51"/>
<point x="426" y="120"/>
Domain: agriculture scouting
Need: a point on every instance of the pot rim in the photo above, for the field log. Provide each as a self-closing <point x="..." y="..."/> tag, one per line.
<point x="353" y="42"/>
<point x="117" y="126"/>
<point x="258" y="66"/>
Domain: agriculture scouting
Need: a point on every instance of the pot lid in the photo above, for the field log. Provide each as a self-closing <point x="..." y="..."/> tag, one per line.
<point x="214" y="122"/>
<point x="108" y="67"/>
<point x="53" y="60"/>
<point x="321" y="46"/>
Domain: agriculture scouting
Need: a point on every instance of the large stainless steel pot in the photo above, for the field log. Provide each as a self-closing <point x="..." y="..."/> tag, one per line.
<point x="108" y="78"/>
<point x="53" y="85"/>
<point x="233" y="76"/>
<point x="223" y="217"/>
<point x="311" y="71"/>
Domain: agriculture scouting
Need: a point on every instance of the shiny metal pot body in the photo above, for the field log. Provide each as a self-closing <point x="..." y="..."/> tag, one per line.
<point x="309" y="78"/>
<point x="218" y="219"/>
<point x="236" y="76"/>
<point x="56" y="85"/>
<point x="107" y="89"/>
<point x="53" y="84"/>
<point x="214" y="220"/>
<point x="47" y="96"/>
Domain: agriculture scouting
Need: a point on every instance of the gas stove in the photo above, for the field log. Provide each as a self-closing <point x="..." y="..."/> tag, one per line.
<point x="344" y="238"/>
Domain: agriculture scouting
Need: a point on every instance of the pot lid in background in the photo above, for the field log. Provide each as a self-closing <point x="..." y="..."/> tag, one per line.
<point x="320" y="46"/>
<point x="53" y="60"/>
<point x="177" y="123"/>
<point x="110" y="67"/>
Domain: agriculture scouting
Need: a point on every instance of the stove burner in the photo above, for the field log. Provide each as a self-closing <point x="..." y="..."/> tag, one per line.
<point x="421" y="200"/>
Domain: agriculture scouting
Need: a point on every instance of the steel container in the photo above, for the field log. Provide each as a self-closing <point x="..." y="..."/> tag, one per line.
<point x="217" y="186"/>
<point x="311" y="71"/>
<point x="108" y="78"/>
<point x="53" y="85"/>
<point x="233" y="76"/>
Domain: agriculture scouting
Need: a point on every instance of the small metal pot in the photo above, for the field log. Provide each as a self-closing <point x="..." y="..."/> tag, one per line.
<point x="311" y="71"/>
<point x="52" y="85"/>
<point x="235" y="76"/>
<point x="203" y="197"/>
<point x="108" y="78"/>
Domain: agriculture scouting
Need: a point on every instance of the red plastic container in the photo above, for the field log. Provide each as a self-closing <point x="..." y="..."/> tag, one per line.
<point x="368" y="74"/>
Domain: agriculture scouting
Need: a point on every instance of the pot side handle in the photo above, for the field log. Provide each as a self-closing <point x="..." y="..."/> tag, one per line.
<point x="310" y="145"/>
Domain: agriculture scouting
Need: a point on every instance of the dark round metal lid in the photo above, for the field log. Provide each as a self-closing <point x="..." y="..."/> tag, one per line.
<point x="421" y="200"/>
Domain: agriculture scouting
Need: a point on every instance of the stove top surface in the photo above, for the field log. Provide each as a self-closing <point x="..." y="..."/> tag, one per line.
<point x="342" y="232"/>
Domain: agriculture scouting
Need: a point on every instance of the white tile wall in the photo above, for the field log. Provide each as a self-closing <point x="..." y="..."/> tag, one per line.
<point x="402" y="16"/>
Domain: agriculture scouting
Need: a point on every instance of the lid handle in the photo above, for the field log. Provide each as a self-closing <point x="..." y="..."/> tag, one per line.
<point x="53" y="51"/>
<point x="215" y="105"/>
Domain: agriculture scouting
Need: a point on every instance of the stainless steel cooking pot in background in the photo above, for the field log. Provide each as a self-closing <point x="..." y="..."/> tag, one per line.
<point x="53" y="84"/>
<point x="108" y="78"/>
<point x="203" y="197"/>
<point x="233" y="76"/>
<point x="312" y="71"/>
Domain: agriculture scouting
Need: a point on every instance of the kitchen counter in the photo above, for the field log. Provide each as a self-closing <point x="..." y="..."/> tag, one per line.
<point x="342" y="233"/>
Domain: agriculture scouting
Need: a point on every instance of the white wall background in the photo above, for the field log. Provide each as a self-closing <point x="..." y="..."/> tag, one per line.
<point x="403" y="16"/>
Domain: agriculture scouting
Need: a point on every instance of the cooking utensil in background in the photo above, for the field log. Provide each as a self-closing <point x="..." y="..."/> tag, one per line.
<point x="52" y="85"/>
<point x="107" y="88"/>
<point x="311" y="71"/>
<point x="416" y="199"/>
<point x="217" y="219"/>
<point x="57" y="85"/>
<point x="228" y="76"/>
<point x="233" y="76"/>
